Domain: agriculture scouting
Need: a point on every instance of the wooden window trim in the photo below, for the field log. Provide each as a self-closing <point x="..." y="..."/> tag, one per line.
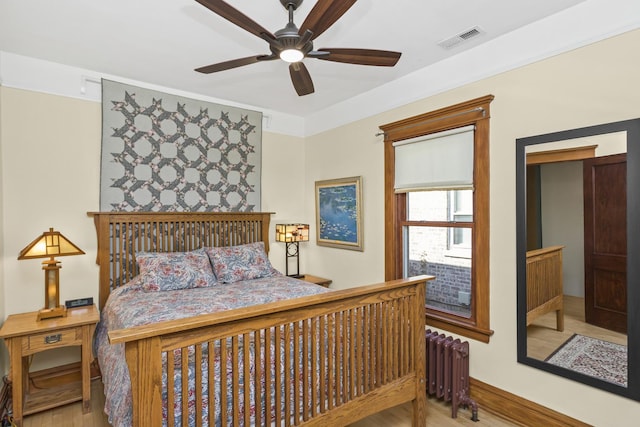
<point x="474" y="112"/>
<point x="562" y="155"/>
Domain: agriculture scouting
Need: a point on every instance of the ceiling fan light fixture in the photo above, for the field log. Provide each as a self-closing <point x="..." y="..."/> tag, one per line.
<point x="292" y="44"/>
<point x="291" y="55"/>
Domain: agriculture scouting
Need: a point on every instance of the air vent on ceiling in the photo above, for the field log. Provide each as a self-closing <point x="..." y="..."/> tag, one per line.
<point x="461" y="37"/>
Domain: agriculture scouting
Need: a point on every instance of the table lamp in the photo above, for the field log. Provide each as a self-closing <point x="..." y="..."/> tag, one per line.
<point x="292" y="234"/>
<point x="50" y="244"/>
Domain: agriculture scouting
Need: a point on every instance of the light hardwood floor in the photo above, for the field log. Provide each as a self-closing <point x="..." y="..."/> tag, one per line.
<point x="543" y="339"/>
<point x="438" y="415"/>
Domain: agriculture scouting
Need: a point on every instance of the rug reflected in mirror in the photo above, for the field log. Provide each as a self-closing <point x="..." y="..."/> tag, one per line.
<point x="593" y="357"/>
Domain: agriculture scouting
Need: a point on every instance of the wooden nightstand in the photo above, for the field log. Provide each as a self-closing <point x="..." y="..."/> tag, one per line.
<point x="315" y="279"/>
<point x="25" y="336"/>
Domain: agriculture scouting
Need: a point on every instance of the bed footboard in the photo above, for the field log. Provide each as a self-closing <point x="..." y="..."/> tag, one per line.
<point x="328" y="359"/>
<point x="544" y="284"/>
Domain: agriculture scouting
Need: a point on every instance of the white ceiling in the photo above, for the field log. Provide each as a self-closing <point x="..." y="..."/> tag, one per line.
<point x="162" y="41"/>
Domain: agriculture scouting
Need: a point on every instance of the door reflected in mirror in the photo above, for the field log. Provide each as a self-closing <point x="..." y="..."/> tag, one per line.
<point x="574" y="216"/>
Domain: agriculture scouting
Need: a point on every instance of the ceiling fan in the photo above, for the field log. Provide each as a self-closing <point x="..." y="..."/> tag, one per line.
<point x="293" y="45"/>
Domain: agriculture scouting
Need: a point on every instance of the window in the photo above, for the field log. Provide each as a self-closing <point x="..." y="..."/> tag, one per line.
<point x="437" y="211"/>
<point x="460" y="211"/>
<point x="437" y="241"/>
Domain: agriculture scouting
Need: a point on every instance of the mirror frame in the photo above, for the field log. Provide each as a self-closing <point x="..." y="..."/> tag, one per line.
<point x="632" y="128"/>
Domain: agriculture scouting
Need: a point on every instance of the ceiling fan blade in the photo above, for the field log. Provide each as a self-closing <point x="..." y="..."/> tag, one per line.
<point x="300" y="78"/>
<point x="234" y="63"/>
<point x="234" y="15"/>
<point x="381" y="58"/>
<point x="323" y="15"/>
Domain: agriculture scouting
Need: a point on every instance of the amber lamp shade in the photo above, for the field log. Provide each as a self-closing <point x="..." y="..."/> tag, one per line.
<point x="292" y="234"/>
<point x="50" y="244"/>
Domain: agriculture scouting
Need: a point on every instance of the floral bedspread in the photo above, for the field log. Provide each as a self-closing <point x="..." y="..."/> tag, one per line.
<point x="130" y="306"/>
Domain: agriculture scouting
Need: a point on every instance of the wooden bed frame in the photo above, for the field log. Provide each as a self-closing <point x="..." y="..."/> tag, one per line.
<point x="363" y="349"/>
<point x="544" y="284"/>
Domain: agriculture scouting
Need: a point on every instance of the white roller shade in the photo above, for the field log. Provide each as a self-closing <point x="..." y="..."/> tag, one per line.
<point x="442" y="160"/>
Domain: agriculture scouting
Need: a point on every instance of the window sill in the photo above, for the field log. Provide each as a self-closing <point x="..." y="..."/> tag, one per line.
<point x="457" y="326"/>
<point x="458" y="253"/>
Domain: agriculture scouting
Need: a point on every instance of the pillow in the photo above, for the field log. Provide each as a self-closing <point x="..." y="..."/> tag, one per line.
<point x="170" y="271"/>
<point x="242" y="262"/>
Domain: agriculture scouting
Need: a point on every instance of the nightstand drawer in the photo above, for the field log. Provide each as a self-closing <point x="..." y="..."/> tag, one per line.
<point x="53" y="339"/>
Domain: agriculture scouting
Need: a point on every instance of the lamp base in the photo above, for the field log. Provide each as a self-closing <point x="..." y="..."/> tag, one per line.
<point x="48" y="313"/>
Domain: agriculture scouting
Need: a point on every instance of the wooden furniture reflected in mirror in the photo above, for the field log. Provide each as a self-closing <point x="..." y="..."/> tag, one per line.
<point x="544" y="284"/>
<point x="596" y="261"/>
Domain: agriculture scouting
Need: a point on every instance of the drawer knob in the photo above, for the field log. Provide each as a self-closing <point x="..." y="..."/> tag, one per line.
<point x="52" y="339"/>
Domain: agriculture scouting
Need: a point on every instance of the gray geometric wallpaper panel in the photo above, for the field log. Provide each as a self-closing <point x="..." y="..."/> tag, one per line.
<point x="162" y="152"/>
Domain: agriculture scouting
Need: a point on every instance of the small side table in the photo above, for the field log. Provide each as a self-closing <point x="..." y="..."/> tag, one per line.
<point x="26" y="336"/>
<point x="315" y="279"/>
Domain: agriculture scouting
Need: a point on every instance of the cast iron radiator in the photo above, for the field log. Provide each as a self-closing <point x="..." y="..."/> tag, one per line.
<point x="448" y="372"/>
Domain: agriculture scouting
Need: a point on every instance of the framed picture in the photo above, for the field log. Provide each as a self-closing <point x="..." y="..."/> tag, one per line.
<point x="339" y="213"/>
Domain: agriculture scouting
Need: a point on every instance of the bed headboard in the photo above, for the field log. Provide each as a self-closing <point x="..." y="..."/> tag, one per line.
<point x="122" y="234"/>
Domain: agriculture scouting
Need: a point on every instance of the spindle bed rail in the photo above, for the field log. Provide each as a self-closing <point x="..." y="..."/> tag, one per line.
<point x="326" y="359"/>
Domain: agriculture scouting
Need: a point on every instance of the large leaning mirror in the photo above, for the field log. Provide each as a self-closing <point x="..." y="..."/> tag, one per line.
<point x="578" y="222"/>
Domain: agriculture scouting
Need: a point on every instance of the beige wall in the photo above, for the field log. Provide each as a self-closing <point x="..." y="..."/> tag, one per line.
<point x="562" y="213"/>
<point x="592" y="85"/>
<point x="283" y="163"/>
<point x="50" y="163"/>
<point x="3" y="351"/>
<point x="50" y="148"/>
